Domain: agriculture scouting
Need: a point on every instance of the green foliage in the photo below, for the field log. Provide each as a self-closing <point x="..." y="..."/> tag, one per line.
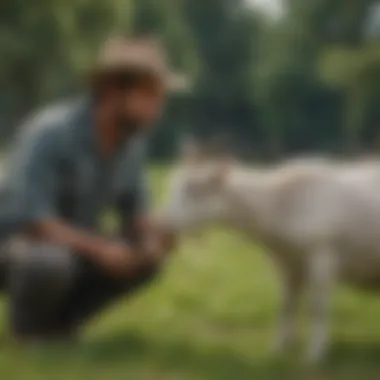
<point x="307" y="81"/>
<point x="356" y="73"/>
<point x="45" y="43"/>
<point x="224" y="35"/>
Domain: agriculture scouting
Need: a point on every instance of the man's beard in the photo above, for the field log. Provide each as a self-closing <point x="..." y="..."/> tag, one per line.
<point x="130" y="125"/>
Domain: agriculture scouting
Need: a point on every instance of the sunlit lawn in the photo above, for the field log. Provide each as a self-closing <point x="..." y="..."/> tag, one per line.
<point x="210" y="316"/>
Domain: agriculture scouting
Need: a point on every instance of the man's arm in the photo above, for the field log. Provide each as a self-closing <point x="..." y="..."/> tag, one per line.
<point x="34" y="187"/>
<point x="59" y="232"/>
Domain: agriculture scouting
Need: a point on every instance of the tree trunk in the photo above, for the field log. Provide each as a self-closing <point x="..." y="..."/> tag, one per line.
<point x="275" y="142"/>
<point x="355" y="115"/>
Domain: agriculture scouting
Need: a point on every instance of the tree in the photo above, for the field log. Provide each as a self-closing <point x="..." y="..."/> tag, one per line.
<point x="288" y="76"/>
<point x="284" y="79"/>
<point x="224" y="34"/>
<point x="46" y="44"/>
<point x="355" y="72"/>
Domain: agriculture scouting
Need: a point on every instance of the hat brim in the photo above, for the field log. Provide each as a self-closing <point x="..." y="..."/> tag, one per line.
<point x="173" y="81"/>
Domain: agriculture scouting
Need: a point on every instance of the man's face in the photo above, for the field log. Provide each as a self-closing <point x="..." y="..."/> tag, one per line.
<point x="144" y="104"/>
<point x="139" y="106"/>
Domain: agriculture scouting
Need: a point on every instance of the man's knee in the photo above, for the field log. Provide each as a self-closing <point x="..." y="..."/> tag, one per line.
<point x="41" y="264"/>
<point x="40" y="276"/>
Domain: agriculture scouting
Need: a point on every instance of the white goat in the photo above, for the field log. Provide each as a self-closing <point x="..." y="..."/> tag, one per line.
<point x="320" y="222"/>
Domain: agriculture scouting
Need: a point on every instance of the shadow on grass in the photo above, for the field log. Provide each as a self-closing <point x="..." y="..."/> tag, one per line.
<point x="215" y="363"/>
<point x="363" y="354"/>
<point x="128" y="350"/>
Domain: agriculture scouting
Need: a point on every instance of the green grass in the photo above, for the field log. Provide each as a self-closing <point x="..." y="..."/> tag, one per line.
<point x="210" y="316"/>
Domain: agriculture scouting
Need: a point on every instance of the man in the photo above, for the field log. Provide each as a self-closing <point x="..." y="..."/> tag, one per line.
<point x="70" y="164"/>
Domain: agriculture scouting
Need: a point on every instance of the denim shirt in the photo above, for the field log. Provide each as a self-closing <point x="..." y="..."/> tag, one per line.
<point x="56" y="171"/>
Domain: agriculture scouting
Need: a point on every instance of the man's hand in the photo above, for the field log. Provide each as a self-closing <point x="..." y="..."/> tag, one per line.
<point x="167" y="239"/>
<point x="121" y="260"/>
<point x="156" y="235"/>
<point x="118" y="259"/>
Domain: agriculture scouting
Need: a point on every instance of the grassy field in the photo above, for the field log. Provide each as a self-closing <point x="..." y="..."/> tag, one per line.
<point x="211" y="316"/>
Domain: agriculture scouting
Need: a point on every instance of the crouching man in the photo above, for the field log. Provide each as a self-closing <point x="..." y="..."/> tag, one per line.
<point x="72" y="162"/>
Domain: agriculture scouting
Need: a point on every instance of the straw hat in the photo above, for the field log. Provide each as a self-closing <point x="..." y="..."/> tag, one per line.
<point x="143" y="55"/>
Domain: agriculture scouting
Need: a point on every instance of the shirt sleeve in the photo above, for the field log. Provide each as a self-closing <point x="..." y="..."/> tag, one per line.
<point x="34" y="177"/>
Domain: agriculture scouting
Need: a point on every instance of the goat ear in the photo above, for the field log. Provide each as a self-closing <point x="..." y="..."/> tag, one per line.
<point x="223" y="170"/>
<point x="191" y="150"/>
